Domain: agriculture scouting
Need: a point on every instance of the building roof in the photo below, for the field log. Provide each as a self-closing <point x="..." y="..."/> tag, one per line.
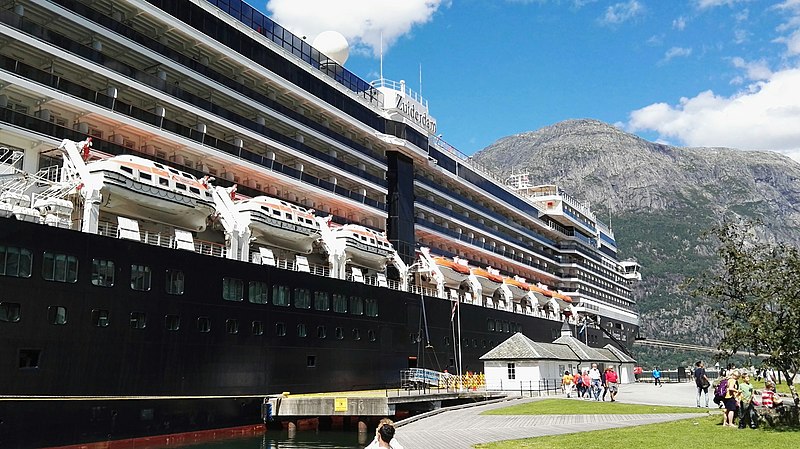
<point x="566" y="347"/>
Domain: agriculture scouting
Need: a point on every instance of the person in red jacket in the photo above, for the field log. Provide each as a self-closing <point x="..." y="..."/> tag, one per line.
<point x="612" y="382"/>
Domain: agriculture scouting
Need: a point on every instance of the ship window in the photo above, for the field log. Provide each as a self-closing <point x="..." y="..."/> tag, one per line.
<point x="186" y="175"/>
<point x="474" y="342"/>
<point x="490" y="325"/>
<point x="145" y="176"/>
<point x="356" y="334"/>
<point x="465" y="342"/>
<point x="371" y="335"/>
<point x="301" y="330"/>
<point x="339" y="333"/>
<point x="322" y="301"/>
<point x="158" y="165"/>
<point x="491" y="343"/>
<point x="289" y="216"/>
<point x="138" y="320"/>
<point x="60" y="268"/>
<point x="173" y="171"/>
<point x="175" y="282"/>
<point x="447" y="341"/>
<point x="339" y="303"/>
<point x="257" y="328"/>
<point x="356" y="305"/>
<point x="194" y="190"/>
<point x="257" y="292"/>
<point x="512" y="368"/>
<point x="302" y="298"/>
<point x="372" y="307"/>
<point x="180" y="186"/>
<point x="372" y="241"/>
<point x="57" y="315"/>
<point x="280" y="295"/>
<point x="322" y="332"/>
<point x="232" y="289"/>
<point x="102" y="273"/>
<point x="141" y="277"/>
<point x="311" y="361"/>
<point x="100" y="318"/>
<point x="232" y="326"/>
<point x="483" y="343"/>
<point x="172" y="322"/>
<point x="29" y="358"/>
<point x="265" y="209"/>
<point x="9" y="312"/>
<point x="163" y="181"/>
<point x="203" y="324"/>
<point x="276" y="212"/>
<point x="505" y="326"/>
<point x="15" y="262"/>
<point x="126" y="169"/>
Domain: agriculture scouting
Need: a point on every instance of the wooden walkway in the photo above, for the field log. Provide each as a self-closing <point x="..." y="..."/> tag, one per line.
<point x="463" y="428"/>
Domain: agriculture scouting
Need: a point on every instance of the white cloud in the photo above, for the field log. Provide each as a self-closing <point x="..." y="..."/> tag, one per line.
<point x="679" y="23"/>
<point x="706" y="4"/>
<point x="791" y="27"/>
<point x="754" y="70"/>
<point x="622" y="12"/>
<point x="676" y="52"/>
<point x="742" y="15"/>
<point x="762" y="116"/>
<point x="360" y="21"/>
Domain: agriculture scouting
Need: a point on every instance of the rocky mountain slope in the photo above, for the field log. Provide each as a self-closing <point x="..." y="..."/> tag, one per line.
<point x="660" y="200"/>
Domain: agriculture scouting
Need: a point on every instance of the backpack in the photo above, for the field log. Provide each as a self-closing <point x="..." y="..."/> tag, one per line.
<point x="720" y="391"/>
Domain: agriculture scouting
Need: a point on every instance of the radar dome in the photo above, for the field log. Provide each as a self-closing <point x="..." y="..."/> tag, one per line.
<point x="332" y="45"/>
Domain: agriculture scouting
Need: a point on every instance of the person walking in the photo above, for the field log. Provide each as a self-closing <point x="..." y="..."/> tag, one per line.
<point x="566" y="383"/>
<point x="656" y="377"/>
<point x="595" y="378"/>
<point x="701" y="381"/>
<point x="612" y="383"/>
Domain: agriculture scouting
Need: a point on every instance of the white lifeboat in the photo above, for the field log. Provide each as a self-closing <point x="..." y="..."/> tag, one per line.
<point x="454" y="271"/>
<point x="278" y="223"/>
<point x="364" y="247"/>
<point x="489" y="279"/>
<point x="142" y="188"/>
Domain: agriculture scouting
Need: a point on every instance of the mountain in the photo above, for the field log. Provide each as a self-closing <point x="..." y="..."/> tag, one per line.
<point x="660" y="200"/>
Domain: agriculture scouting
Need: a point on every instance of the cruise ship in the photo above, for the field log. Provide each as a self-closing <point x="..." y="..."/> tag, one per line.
<point x="199" y="209"/>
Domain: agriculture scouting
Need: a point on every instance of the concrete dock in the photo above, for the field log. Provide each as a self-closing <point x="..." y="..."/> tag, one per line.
<point x="465" y="427"/>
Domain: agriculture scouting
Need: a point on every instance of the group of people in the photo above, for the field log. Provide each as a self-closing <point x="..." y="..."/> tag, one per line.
<point x="736" y="394"/>
<point x="591" y="383"/>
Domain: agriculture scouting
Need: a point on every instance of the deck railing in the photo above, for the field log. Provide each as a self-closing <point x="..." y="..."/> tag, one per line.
<point x="214" y="249"/>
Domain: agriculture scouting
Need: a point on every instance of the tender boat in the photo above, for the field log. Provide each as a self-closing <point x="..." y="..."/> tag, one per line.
<point x="278" y="223"/>
<point x="489" y="278"/>
<point x="138" y="187"/>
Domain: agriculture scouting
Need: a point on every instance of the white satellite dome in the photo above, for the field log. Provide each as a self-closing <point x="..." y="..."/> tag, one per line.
<point x="332" y="45"/>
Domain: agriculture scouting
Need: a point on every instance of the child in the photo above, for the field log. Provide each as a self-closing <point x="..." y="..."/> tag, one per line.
<point x="746" y="410"/>
<point x="769" y="398"/>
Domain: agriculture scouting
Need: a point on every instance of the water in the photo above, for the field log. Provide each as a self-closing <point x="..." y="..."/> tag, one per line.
<point x="281" y="440"/>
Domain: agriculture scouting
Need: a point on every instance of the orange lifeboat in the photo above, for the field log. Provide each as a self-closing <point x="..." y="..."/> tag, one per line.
<point x="489" y="281"/>
<point x="518" y="288"/>
<point x="454" y="272"/>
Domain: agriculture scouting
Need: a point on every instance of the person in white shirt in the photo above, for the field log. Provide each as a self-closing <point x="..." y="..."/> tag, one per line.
<point x="594" y="375"/>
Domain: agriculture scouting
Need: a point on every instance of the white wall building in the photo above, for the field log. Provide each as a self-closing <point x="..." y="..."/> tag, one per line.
<point x="521" y="364"/>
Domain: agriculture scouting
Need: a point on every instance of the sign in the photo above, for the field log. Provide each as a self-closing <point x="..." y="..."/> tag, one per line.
<point x="340" y="404"/>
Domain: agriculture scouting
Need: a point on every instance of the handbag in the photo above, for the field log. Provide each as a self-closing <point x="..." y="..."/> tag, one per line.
<point x="705" y="383"/>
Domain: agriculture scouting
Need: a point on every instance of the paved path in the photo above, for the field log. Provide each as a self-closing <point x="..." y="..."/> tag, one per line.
<point x="465" y="427"/>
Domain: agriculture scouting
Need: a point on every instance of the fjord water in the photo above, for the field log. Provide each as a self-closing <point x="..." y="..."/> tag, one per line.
<point x="281" y="440"/>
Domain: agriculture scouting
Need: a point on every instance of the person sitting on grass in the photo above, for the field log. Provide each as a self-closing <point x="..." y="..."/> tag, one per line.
<point x="769" y="398"/>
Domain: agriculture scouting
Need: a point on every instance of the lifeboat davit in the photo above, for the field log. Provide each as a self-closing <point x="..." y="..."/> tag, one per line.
<point x="141" y="188"/>
<point x="488" y="278"/>
<point x="281" y="224"/>
<point x="563" y="300"/>
<point x="519" y="289"/>
<point x="364" y="247"/>
<point x="454" y="271"/>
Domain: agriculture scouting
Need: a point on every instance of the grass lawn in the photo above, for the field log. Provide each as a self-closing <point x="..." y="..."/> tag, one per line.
<point x="578" y="407"/>
<point x="693" y="433"/>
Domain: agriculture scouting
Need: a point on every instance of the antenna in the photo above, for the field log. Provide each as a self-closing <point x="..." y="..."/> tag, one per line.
<point x="420" y="82"/>
<point x="381" y="56"/>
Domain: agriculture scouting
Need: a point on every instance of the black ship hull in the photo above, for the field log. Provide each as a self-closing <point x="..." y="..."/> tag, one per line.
<point x="81" y="362"/>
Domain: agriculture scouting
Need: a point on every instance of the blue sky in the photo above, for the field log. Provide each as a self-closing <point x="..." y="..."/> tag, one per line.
<point x="685" y="72"/>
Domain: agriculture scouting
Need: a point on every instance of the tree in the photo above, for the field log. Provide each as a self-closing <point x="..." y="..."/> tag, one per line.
<point x="755" y="294"/>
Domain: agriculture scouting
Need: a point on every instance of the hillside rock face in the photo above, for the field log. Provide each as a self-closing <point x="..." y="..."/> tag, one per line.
<point x="660" y="200"/>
